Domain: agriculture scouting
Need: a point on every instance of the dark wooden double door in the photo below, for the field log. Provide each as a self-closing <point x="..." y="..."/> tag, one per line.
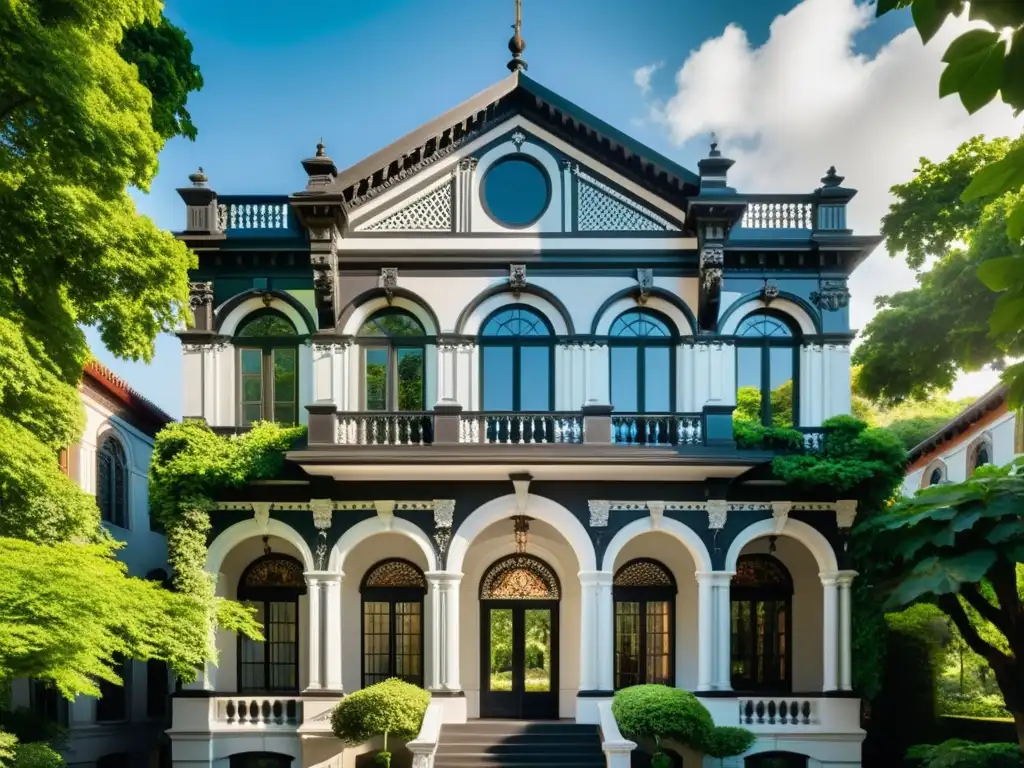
<point x="519" y="659"/>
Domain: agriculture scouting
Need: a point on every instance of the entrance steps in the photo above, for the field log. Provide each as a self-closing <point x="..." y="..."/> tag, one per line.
<point x="518" y="744"/>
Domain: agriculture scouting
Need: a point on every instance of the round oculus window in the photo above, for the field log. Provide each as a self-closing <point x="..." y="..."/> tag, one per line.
<point x="516" y="192"/>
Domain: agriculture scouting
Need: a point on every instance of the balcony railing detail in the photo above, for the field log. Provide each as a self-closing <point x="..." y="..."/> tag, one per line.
<point x="259" y="712"/>
<point x="252" y="216"/>
<point x="777" y="712"/>
<point x="521" y="428"/>
<point x="652" y="429"/>
<point x="798" y="214"/>
<point x="375" y="428"/>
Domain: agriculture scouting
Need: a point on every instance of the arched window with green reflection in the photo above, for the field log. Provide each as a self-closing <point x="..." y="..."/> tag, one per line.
<point x="393" y="360"/>
<point x="766" y="370"/>
<point x="642" y="370"/>
<point x="268" y="351"/>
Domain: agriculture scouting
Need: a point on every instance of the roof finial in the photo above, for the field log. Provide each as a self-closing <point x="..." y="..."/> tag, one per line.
<point x="517" y="45"/>
<point x="714" y="146"/>
<point x="320" y="148"/>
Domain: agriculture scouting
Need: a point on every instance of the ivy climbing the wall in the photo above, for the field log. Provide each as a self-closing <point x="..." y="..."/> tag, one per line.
<point x="191" y="466"/>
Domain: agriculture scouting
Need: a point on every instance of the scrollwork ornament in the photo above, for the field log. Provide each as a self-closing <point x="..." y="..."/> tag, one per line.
<point x="832" y="296"/>
<point x="712" y="263"/>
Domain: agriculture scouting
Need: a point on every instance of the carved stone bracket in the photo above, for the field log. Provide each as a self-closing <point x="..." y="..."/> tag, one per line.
<point x="846" y="513"/>
<point x="645" y="280"/>
<point x="831" y="296"/>
<point x="323" y="511"/>
<point x="657" y="509"/>
<point x="599" y="509"/>
<point x="386" y="512"/>
<point x="389" y="281"/>
<point x="444" y="513"/>
<point x="261" y="513"/>
<point x="780" y="515"/>
<point x="517" y="278"/>
<point x="200" y="301"/>
<point x="718" y="512"/>
<point x="769" y="293"/>
<point x="712" y="262"/>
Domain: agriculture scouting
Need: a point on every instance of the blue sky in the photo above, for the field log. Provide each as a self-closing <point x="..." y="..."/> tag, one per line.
<point x="279" y="76"/>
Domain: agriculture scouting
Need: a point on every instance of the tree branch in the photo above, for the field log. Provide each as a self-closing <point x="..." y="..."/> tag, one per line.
<point x="950" y="605"/>
<point x="988" y="612"/>
<point x="1003" y="577"/>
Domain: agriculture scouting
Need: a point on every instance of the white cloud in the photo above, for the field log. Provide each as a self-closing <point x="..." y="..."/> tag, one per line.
<point x="805" y="100"/>
<point x="642" y="76"/>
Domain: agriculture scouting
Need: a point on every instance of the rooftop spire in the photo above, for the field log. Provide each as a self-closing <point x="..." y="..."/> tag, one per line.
<point x="517" y="45"/>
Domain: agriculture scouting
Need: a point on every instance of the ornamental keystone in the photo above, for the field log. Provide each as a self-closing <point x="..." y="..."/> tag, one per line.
<point x="261" y="513"/>
<point x="846" y="513"/>
<point x="386" y="511"/>
<point x="323" y="510"/>
<point x="780" y="514"/>
<point x="657" y="509"/>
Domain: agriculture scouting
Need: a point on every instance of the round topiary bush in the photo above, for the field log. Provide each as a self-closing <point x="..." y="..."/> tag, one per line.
<point x="391" y="708"/>
<point x="727" y="741"/>
<point x="658" y="712"/>
<point x="36" y="755"/>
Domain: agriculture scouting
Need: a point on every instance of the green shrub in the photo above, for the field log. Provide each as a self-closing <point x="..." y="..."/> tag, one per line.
<point x="658" y="712"/>
<point x="36" y="755"/>
<point x="727" y="741"/>
<point x="391" y="708"/>
<point x="957" y="753"/>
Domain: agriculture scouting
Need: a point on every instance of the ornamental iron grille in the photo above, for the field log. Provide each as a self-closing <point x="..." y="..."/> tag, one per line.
<point x="392" y="636"/>
<point x="431" y="212"/>
<point x="644" y="592"/>
<point x="272" y="583"/>
<point x="761" y="597"/>
<point x="767" y="369"/>
<point x="602" y="209"/>
<point x="520" y="577"/>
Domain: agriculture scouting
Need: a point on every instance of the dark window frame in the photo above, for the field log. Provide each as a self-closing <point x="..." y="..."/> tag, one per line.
<point x="113" y="451"/>
<point x="644" y="595"/>
<point x="392" y="596"/>
<point x="114" y="703"/>
<point x="266" y="345"/>
<point x="516" y="157"/>
<point x="766" y="344"/>
<point x="393" y="345"/>
<point x="749" y="597"/>
<point x="268" y="595"/>
<point x="517" y="343"/>
<point x="641" y="344"/>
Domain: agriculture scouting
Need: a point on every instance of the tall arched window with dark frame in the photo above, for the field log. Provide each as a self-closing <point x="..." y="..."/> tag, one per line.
<point x="767" y="369"/>
<point x="761" y="596"/>
<point x="517" y="360"/>
<point x="268" y="377"/>
<point x="392" y="593"/>
<point x="644" y="592"/>
<point x="393" y="346"/>
<point x="112" y="482"/>
<point x="272" y="583"/>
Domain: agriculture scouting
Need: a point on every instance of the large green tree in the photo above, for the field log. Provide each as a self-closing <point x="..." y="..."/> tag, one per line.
<point x="982" y="64"/>
<point x="89" y="92"/>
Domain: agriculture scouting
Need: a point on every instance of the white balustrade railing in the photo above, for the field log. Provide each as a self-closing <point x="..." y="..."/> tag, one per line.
<point x="252" y="216"/>
<point x="257" y="712"/>
<point x="521" y="428"/>
<point x="665" y="429"/>
<point x="778" y="216"/>
<point x="778" y="711"/>
<point x="370" y="428"/>
<point x="617" y="749"/>
<point x="424" y="746"/>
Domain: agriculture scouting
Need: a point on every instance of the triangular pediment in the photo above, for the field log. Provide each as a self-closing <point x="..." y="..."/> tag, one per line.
<point x="418" y="153"/>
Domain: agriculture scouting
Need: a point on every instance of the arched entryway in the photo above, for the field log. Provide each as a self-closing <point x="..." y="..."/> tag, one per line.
<point x="519" y="599"/>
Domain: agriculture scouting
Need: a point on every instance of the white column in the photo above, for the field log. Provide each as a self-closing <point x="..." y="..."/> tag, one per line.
<point x="844" y="580"/>
<point x="331" y="587"/>
<point x="592" y="630"/>
<point x="830" y="630"/>
<point x="446" y="355"/>
<point x="323" y="372"/>
<point x="705" y="629"/>
<point x="444" y="630"/>
<point x="598" y="383"/>
<point x="605" y="636"/>
<point x="722" y="677"/>
<point x="314" y="631"/>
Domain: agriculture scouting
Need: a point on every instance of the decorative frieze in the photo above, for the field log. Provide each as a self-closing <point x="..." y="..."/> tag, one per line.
<point x="831" y="296"/>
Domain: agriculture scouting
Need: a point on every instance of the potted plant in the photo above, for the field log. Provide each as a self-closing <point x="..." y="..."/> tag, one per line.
<point x="392" y="708"/>
<point x="727" y="741"/>
<point x="656" y="712"/>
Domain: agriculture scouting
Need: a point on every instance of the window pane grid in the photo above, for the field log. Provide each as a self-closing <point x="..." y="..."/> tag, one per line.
<point x="271" y="665"/>
<point x="659" y="651"/>
<point x="252" y="385"/>
<point x="408" y="634"/>
<point x="376" y="642"/>
<point x="627" y="644"/>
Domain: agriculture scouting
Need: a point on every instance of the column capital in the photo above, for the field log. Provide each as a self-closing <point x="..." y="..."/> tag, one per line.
<point x="829" y="578"/>
<point x="845" y="578"/>
<point x="714" y="577"/>
<point x="443" y="577"/>
<point x="323" y="576"/>
<point x="595" y="578"/>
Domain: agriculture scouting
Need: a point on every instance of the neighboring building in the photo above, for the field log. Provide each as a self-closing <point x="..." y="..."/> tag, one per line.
<point x="124" y="727"/>
<point x="986" y="432"/>
<point x="516" y="336"/>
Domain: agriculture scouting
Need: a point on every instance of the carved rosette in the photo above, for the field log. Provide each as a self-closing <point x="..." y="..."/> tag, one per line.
<point x="599" y="509"/>
<point x="832" y="295"/>
<point x="718" y="512"/>
<point x="712" y="262"/>
<point x="518" y="138"/>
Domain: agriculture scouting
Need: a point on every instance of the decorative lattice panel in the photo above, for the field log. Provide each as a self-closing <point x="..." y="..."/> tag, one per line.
<point x="643" y="573"/>
<point x="778" y="216"/>
<point x="395" y="573"/>
<point x="520" y="578"/>
<point x="761" y="571"/>
<point x="430" y="212"/>
<point x="603" y="209"/>
<point x="275" y="572"/>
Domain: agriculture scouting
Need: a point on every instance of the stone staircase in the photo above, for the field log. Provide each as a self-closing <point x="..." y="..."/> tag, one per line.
<point x="519" y="744"/>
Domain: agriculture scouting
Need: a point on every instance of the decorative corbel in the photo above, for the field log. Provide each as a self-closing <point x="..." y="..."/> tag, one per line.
<point x="712" y="262"/>
<point x="831" y="296"/>
<point x="599" y="509"/>
<point x="444" y="513"/>
<point x="386" y="512"/>
<point x="657" y="509"/>
<point x="780" y="515"/>
<point x="521" y="484"/>
<point x="645" y="281"/>
<point x="323" y="511"/>
<point x="769" y="293"/>
<point x="389" y="281"/>
<point x="718" y="512"/>
<point x="846" y="513"/>
<point x="517" y="278"/>
<point x="261" y="513"/>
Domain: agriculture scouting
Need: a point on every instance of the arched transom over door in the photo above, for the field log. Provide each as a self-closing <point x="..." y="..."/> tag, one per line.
<point x="392" y="594"/>
<point x="645" y="622"/>
<point x="519" y="598"/>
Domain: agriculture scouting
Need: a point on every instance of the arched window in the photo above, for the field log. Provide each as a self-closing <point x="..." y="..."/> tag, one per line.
<point x="980" y="455"/>
<point x="642" y="370"/>
<point x="268" y="386"/>
<point x="517" y="361"/>
<point x="112" y="482"/>
<point x="273" y="584"/>
<point x="392" y="593"/>
<point x="934" y="475"/>
<point x="645" y="597"/>
<point x="762" y="618"/>
<point x="393" y="361"/>
<point x="766" y="370"/>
